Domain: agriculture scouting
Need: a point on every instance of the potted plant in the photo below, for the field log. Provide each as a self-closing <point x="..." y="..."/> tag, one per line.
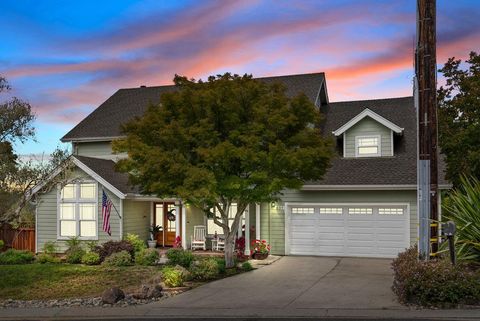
<point x="261" y="249"/>
<point x="154" y="230"/>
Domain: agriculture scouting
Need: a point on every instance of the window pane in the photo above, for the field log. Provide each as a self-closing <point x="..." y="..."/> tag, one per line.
<point x="87" y="190"/>
<point x="302" y="210"/>
<point x="68" y="228"/>
<point x="212" y="227"/>
<point x="360" y="211"/>
<point x="371" y="141"/>
<point x="68" y="191"/>
<point x="67" y="211"/>
<point x="159" y="214"/>
<point x="390" y="211"/>
<point x="367" y="150"/>
<point x="233" y="210"/>
<point x="87" y="211"/>
<point x="87" y="228"/>
<point x="330" y="210"/>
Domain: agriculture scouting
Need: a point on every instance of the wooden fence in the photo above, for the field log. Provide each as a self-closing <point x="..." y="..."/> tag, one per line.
<point x="22" y="238"/>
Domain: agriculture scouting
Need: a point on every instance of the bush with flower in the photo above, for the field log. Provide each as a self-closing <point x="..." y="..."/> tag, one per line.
<point x="260" y="246"/>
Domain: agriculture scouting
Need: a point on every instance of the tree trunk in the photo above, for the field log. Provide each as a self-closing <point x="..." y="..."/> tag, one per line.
<point x="229" y="250"/>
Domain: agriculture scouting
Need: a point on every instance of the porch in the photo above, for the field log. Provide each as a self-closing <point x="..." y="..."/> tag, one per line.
<point x="178" y="221"/>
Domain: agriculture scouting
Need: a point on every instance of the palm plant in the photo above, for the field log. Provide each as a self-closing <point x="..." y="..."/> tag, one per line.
<point x="462" y="206"/>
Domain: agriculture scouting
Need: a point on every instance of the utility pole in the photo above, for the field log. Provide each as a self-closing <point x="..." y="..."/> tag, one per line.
<point x="425" y="88"/>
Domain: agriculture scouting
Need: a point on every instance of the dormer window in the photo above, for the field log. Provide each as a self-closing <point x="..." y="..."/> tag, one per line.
<point x="367" y="146"/>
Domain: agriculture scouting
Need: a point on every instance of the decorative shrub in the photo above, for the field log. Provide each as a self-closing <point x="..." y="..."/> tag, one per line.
<point x="43" y="258"/>
<point x="91" y="245"/>
<point x="180" y="256"/>
<point x="136" y="242"/>
<point x="178" y="242"/>
<point x="172" y="277"/>
<point x="12" y="256"/>
<point x="435" y="282"/>
<point x="122" y="258"/>
<point x="246" y="266"/>
<point x="221" y="265"/>
<point x="146" y="257"/>
<point x="207" y="269"/>
<point x="74" y="255"/>
<point x="240" y="249"/>
<point x="91" y="258"/>
<point x="49" y="247"/>
<point x="111" y="247"/>
<point x="462" y="207"/>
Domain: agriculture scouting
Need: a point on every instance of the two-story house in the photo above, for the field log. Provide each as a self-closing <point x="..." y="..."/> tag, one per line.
<point x="366" y="205"/>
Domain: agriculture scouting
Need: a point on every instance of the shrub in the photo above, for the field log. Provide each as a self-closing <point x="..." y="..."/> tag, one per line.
<point x="146" y="257"/>
<point x="43" y="258"/>
<point x="172" y="277"/>
<point x="91" y="245"/>
<point x="122" y="258"/>
<point x="12" y="256"/>
<point x="207" y="269"/>
<point x="136" y="242"/>
<point x="221" y="265"/>
<point x="2" y="244"/>
<point x="180" y="256"/>
<point x="74" y="255"/>
<point x="91" y="258"/>
<point x="435" y="282"/>
<point x="110" y="247"/>
<point x="461" y="207"/>
<point x="49" y="247"/>
<point x="247" y="266"/>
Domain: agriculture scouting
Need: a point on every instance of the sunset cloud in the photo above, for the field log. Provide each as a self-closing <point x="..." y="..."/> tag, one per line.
<point x="360" y="46"/>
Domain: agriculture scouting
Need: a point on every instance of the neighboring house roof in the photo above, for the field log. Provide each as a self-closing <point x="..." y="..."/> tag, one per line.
<point x="105" y="121"/>
<point x="368" y="113"/>
<point x="399" y="169"/>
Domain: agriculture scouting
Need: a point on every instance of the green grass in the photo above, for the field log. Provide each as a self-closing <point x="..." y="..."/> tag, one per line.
<point x="56" y="281"/>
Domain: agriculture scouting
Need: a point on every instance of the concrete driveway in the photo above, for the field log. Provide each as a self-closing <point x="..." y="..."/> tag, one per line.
<point x="298" y="283"/>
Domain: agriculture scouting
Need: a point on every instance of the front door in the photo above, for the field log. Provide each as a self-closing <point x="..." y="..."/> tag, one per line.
<point x="165" y="216"/>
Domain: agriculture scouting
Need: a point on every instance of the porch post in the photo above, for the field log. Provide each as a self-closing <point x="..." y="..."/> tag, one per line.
<point x="257" y="221"/>
<point x="177" y="219"/>
<point x="184" y="225"/>
<point x="247" y="231"/>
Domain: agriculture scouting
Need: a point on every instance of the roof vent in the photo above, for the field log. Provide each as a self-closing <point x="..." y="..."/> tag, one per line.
<point x="143" y="86"/>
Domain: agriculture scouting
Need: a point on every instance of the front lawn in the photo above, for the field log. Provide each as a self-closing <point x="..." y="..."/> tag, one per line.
<point x="56" y="281"/>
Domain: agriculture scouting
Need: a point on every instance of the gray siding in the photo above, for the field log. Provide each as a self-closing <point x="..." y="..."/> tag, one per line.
<point x="368" y="126"/>
<point x="47" y="216"/>
<point x="136" y="218"/>
<point x="93" y="149"/>
<point x="273" y="218"/>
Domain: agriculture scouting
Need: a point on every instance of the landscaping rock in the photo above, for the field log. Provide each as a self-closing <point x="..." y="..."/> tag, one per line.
<point x="148" y="291"/>
<point x="113" y="295"/>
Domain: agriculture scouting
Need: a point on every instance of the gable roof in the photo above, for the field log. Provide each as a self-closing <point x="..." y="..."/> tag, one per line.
<point x="399" y="170"/>
<point x="368" y="113"/>
<point x="103" y="124"/>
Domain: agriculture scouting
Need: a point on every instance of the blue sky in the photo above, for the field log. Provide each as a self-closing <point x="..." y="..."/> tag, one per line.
<point x="67" y="57"/>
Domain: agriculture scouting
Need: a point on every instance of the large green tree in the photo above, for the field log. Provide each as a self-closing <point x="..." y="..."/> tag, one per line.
<point x="459" y="117"/>
<point x="230" y="139"/>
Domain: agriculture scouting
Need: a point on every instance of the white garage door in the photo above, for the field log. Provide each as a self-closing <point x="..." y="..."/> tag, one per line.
<point x="348" y="230"/>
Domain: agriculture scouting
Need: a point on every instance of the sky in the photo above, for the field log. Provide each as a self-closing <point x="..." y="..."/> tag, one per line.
<point x="66" y="57"/>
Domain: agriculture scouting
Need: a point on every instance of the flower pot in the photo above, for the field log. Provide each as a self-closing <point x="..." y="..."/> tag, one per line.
<point x="152" y="244"/>
<point x="260" y="256"/>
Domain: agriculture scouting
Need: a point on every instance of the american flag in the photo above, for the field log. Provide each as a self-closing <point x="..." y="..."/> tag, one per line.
<point x="106" y="209"/>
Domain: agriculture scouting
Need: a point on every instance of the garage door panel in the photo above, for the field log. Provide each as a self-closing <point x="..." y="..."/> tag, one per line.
<point x="355" y="234"/>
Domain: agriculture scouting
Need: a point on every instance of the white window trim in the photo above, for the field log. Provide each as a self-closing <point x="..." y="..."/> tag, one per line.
<point x="242" y="220"/>
<point x="379" y="139"/>
<point x="77" y="212"/>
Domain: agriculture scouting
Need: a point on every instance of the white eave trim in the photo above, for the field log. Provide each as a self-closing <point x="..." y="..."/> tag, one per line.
<point x="367" y="112"/>
<point x="98" y="178"/>
<point x="364" y="187"/>
<point x="91" y="139"/>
